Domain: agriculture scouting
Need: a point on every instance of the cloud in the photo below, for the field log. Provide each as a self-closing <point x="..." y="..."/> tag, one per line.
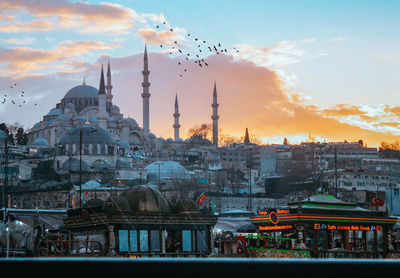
<point x="162" y="37"/>
<point x="85" y="17"/>
<point x="23" y="60"/>
<point x="20" y="41"/>
<point x="248" y="95"/>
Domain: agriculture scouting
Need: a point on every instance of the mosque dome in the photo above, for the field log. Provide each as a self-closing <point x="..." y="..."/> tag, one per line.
<point x="55" y="112"/>
<point x="93" y="119"/>
<point x="170" y="139"/>
<point x="74" y="165"/>
<point x="82" y="91"/>
<point x="94" y="203"/>
<point x="144" y="198"/>
<point x="123" y="144"/>
<point x="37" y="125"/>
<point x="116" y="203"/>
<point x="112" y="122"/>
<point x="70" y="105"/>
<point x="131" y="121"/>
<point x="184" y="206"/>
<point x="122" y="164"/>
<point x="167" y="169"/>
<point x="91" y="134"/>
<point x="102" y="165"/>
<point x="179" y="140"/>
<point x="114" y="109"/>
<point x="63" y="118"/>
<point x="41" y="142"/>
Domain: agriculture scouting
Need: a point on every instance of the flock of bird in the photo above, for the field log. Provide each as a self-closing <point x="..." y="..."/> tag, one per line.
<point x="202" y="47"/>
<point x="8" y="98"/>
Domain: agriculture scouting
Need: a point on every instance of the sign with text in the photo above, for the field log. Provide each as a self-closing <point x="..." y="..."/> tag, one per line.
<point x="318" y="226"/>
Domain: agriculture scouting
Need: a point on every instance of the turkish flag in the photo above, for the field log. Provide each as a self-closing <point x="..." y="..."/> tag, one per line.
<point x="201" y="198"/>
<point x="375" y="202"/>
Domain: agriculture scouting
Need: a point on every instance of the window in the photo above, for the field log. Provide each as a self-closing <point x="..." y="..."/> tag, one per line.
<point x="186" y="241"/>
<point x="201" y="241"/>
<point x="133" y="241"/>
<point x="144" y="241"/>
<point x="123" y="240"/>
<point x="155" y="240"/>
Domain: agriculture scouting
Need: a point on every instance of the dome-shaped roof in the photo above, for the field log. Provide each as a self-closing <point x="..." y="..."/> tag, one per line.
<point x="144" y="198"/>
<point x="82" y="91"/>
<point x="41" y="142"/>
<point x="183" y="206"/>
<point x="70" y="105"/>
<point x="54" y="112"/>
<point x="122" y="164"/>
<point x="102" y="164"/>
<point x="116" y="204"/>
<point x="37" y="125"/>
<point x="75" y="165"/>
<point x="63" y="118"/>
<point x="93" y="119"/>
<point x="91" y="184"/>
<point x="179" y="140"/>
<point x="94" y="203"/>
<point x="114" y="109"/>
<point x="111" y="119"/>
<point x="130" y="121"/>
<point x="91" y="134"/>
<point x="167" y="170"/>
<point x="188" y="140"/>
<point x="123" y="144"/>
<point x="170" y="139"/>
<point x="152" y="136"/>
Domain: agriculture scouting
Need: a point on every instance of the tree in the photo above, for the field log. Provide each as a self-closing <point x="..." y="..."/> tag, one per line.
<point x="203" y="131"/>
<point x="4" y="127"/>
<point x="21" y="137"/>
<point x="285" y="141"/>
<point x="390" y="146"/>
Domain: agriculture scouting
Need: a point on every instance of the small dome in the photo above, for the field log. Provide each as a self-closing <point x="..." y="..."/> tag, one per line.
<point x="170" y="139"/>
<point x="37" y="125"/>
<point x="123" y="144"/>
<point x="93" y="119"/>
<point x="188" y="140"/>
<point x="94" y="203"/>
<point x="82" y="91"/>
<point x="130" y="121"/>
<point x="111" y="119"/>
<point x="179" y="140"/>
<point x="114" y="109"/>
<point x="70" y="105"/>
<point x="91" y="134"/>
<point x="152" y="136"/>
<point x="63" y="118"/>
<point x="55" y="112"/>
<point x="144" y="198"/>
<point x="116" y="204"/>
<point x="41" y="142"/>
<point x="184" y="206"/>
<point x="122" y="164"/>
<point x="167" y="170"/>
<point x="75" y="165"/>
<point x="102" y="164"/>
<point x="91" y="184"/>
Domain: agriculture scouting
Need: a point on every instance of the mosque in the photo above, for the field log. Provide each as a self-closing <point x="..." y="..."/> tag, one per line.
<point x="87" y="116"/>
<point x="84" y="104"/>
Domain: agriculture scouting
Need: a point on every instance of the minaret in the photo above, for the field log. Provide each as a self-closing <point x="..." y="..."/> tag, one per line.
<point x="176" y="119"/>
<point x="246" y="137"/>
<point x="146" y="94"/>
<point x="215" y="117"/>
<point x="102" y="112"/>
<point x="109" y="86"/>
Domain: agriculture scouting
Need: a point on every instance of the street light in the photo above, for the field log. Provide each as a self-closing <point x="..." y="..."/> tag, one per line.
<point x="91" y="130"/>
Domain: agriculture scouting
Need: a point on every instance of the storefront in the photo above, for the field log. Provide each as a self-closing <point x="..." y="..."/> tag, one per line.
<point x="327" y="228"/>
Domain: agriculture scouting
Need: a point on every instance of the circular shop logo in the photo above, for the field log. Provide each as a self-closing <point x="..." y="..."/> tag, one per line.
<point x="274" y="217"/>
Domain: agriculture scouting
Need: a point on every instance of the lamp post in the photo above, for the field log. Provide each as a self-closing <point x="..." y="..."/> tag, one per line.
<point x="80" y="167"/>
<point x="4" y="136"/>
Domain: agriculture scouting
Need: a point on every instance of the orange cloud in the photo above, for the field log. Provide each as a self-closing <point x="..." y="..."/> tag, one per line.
<point x="104" y="17"/>
<point x="23" y="60"/>
<point x="163" y="37"/>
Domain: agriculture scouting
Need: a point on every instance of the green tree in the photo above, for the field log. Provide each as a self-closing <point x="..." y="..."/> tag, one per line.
<point x="21" y="137"/>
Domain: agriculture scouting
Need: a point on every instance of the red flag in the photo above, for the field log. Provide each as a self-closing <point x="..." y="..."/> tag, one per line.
<point x="201" y="198"/>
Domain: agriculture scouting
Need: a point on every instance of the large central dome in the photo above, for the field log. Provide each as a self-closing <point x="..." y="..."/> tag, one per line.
<point x="82" y="91"/>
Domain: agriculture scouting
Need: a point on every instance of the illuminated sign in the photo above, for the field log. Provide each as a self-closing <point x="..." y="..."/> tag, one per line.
<point x="276" y="227"/>
<point x="262" y="212"/>
<point x="282" y="211"/>
<point x="318" y="226"/>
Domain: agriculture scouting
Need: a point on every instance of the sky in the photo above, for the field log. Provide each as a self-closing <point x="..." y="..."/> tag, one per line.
<point x="296" y="69"/>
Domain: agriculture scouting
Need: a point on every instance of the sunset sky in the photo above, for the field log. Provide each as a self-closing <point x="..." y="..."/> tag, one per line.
<point x="329" y="69"/>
